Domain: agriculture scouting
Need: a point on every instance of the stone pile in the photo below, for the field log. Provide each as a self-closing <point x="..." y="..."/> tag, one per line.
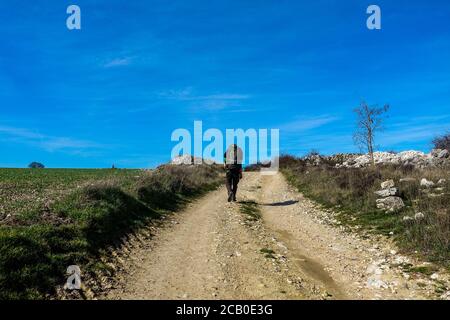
<point x="436" y="157"/>
<point x="190" y="160"/>
<point x="433" y="189"/>
<point x="389" y="200"/>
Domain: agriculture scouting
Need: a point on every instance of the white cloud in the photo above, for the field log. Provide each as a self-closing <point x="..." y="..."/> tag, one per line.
<point x="181" y="94"/>
<point x="307" y="123"/>
<point x="411" y="133"/>
<point x="212" y="102"/>
<point x="118" y="62"/>
<point x="187" y="94"/>
<point x="324" y="143"/>
<point x="224" y="96"/>
<point x="19" y="132"/>
<point x="46" y="142"/>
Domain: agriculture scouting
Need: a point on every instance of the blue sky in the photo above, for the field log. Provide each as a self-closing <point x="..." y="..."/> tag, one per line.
<point x="114" y="91"/>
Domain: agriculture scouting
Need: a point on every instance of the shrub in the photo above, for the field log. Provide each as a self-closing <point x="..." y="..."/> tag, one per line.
<point x="36" y="165"/>
<point x="442" y="142"/>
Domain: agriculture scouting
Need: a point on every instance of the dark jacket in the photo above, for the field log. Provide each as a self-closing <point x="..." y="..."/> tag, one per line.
<point x="232" y="159"/>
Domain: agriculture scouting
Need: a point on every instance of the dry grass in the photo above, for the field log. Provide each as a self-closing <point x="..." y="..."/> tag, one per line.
<point x="75" y="227"/>
<point x="351" y="190"/>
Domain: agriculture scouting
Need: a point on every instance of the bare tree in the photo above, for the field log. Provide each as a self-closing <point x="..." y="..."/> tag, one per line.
<point x="369" y="121"/>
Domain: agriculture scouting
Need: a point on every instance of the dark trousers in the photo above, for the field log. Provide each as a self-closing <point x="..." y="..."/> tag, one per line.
<point x="232" y="181"/>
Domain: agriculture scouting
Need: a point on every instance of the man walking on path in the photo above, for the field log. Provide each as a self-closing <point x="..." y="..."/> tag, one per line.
<point x="233" y="166"/>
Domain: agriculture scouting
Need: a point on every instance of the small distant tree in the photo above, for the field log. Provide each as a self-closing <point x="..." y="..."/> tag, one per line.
<point x="313" y="153"/>
<point x="369" y="121"/>
<point x="442" y="142"/>
<point x="36" y="165"/>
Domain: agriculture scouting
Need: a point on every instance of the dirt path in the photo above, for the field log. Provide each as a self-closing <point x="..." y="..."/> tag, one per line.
<point x="212" y="250"/>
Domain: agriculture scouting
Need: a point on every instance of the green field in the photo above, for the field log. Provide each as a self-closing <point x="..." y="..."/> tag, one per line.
<point x="53" y="218"/>
<point x="23" y="192"/>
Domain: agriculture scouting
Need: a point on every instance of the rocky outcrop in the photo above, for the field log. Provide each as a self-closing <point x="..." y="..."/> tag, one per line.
<point x="189" y="160"/>
<point x="408" y="219"/>
<point x="426" y="183"/>
<point x="419" y="216"/>
<point x="433" y="189"/>
<point x="436" y="157"/>
<point x="387" y="184"/>
<point x="184" y="159"/>
<point x="387" y="192"/>
<point x="389" y="201"/>
<point x="439" y="153"/>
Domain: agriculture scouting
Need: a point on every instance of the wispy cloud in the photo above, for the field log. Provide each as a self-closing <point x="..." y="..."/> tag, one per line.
<point x="188" y="94"/>
<point x="419" y="121"/>
<point x="212" y="102"/>
<point x="223" y="96"/>
<point x="411" y="134"/>
<point x="118" y="62"/>
<point x="21" y="133"/>
<point x="407" y="131"/>
<point x="180" y="94"/>
<point x="59" y="143"/>
<point x="311" y="132"/>
<point x="304" y="124"/>
<point x="326" y="143"/>
<point x="142" y="160"/>
<point x="400" y="134"/>
<point x="47" y="142"/>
